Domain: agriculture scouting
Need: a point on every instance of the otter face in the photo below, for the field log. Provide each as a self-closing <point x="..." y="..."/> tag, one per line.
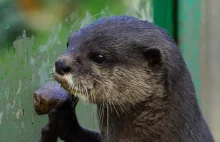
<point x="114" y="60"/>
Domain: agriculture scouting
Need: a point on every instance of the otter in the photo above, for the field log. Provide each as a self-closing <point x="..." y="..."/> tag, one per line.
<point x="135" y="74"/>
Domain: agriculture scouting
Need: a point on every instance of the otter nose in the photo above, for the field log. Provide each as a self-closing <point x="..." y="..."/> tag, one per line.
<point x="62" y="68"/>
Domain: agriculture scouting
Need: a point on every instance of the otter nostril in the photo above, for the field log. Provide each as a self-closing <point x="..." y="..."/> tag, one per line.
<point x="62" y="68"/>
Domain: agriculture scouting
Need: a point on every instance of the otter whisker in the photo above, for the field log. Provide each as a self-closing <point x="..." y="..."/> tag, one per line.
<point x="86" y="91"/>
<point x="102" y="114"/>
<point x="115" y="109"/>
<point x="92" y="96"/>
<point x="96" y="15"/>
<point x="60" y="101"/>
<point x="94" y="109"/>
<point x="93" y="113"/>
<point x="81" y="91"/>
<point x="74" y="89"/>
<point x="74" y="103"/>
<point x="107" y="122"/>
<point x="111" y="109"/>
<point x="50" y="79"/>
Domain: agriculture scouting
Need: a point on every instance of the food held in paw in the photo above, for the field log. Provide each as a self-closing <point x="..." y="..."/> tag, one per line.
<point x="49" y="96"/>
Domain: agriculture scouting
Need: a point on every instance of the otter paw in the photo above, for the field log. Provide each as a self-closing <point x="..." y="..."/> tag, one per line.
<point x="48" y="134"/>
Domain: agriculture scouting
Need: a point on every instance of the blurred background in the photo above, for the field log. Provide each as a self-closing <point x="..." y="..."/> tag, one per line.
<point x="33" y="33"/>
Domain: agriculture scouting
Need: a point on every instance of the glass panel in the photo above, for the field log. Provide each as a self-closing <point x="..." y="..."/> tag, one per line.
<point x="33" y="34"/>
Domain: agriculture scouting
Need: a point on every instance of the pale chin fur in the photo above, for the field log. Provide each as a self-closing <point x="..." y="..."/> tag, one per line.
<point x="68" y="78"/>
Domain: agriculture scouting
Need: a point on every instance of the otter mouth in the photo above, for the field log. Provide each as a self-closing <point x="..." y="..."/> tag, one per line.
<point x="66" y="81"/>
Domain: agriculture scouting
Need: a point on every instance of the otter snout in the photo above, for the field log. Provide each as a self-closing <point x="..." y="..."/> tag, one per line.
<point x="67" y="63"/>
<point x="62" y="68"/>
<point x="63" y="64"/>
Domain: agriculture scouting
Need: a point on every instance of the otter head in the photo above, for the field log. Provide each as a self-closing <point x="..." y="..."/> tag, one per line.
<point x="117" y="60"/>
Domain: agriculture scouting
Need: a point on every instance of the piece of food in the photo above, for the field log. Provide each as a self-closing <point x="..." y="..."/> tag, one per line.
<point x="50" y="96"/>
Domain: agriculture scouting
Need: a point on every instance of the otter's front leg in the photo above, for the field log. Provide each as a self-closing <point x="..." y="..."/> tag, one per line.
<point x="63" y="123"/>
<point x="48" y="134"/>
<point x="53" y="100"/>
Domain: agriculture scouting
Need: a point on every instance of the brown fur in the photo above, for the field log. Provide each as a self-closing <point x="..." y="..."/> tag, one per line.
<point x="143" y="91"/>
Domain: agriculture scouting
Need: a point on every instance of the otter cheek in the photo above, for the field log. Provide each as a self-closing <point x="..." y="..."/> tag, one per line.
<point x="69" y="85"/>
<point x="68" y="78"/>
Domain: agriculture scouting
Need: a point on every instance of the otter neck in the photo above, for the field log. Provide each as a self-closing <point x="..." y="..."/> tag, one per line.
<point x="134" y="121"/>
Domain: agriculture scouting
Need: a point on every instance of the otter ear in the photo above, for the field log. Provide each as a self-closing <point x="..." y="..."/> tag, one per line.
<point x="154" y="56"/>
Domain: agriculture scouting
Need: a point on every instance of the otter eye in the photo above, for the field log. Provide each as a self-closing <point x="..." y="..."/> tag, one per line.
<point x="98" y="58"/>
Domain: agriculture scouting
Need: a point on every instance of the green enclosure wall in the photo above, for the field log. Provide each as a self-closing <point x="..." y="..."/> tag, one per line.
<point x="182" y="19"/>
<point x="189" y="37"/>
<point x="165" y="14"/>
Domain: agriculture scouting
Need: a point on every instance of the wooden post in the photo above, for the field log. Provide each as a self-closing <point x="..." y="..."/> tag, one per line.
<point x="210" y="65"/>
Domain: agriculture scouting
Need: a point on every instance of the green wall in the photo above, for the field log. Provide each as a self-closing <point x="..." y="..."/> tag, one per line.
<point x="182" y="20"/>
<point x="189" y="37"/>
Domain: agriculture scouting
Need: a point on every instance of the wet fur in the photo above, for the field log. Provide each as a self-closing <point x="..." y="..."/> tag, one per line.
<point x="144" y="92"/>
